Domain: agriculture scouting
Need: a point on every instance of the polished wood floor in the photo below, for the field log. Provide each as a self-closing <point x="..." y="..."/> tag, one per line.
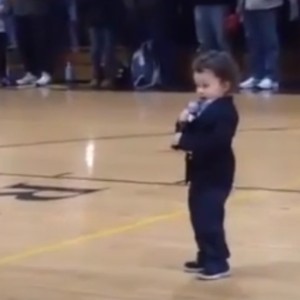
<point x="91" y="207"/>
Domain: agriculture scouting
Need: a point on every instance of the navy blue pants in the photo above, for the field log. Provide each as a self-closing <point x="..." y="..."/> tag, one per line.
<point x="103" y="52"/>
<point x="207" y="212"/>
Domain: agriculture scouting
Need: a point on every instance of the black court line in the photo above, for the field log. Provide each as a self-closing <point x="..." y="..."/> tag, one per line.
<point x="267" y="189"/>
<point x="90" y="179"/>
<point x="269" y="129"/>
<point x="79" y="140"/>
<point x="62" y="175"/>
<point x="127" y="136"/>
<point x="151" y="183"/>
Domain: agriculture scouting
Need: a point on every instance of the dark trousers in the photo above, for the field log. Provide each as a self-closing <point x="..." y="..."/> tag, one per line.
<point x="165" y="52"/>
<point x="103" y="52"/>
<point x="207" y="212"/>
<point x="210" y="20"/>
<point x="33" y="39"/>
<point x="153" y="25"/>
<point x="263" y="43"/>
<point x="3" y="60"/>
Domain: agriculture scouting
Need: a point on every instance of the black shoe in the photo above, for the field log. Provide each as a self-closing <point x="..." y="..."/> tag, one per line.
<point x="207" y="276"/>
<point x="193" y="267"/>
<point x="215" y="272"/>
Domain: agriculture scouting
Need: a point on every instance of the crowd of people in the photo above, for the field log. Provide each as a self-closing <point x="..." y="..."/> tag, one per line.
<point x="42" y="30"/>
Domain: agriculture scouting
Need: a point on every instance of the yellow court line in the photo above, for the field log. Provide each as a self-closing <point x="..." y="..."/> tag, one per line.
<point x="144" y="222"/>
<point x="35" y="251"/>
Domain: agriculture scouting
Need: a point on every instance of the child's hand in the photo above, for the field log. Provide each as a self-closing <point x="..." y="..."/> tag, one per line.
<point x="183" y="117"/>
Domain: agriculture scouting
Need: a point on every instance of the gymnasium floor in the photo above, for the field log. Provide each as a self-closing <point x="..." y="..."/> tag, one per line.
<point x="91" y="207"/>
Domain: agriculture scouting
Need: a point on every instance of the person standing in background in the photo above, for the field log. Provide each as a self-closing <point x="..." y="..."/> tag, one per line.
<point x="103" y="19"/>
<point x="260" y="22"/>
<point x="210" y="19"/>
<point x="71" y="7"/>
<point x="59" y="39"/>
<point x="31" y="17"/>
<point x="3" y="43"/>
<point x="10" y="27"/>
<point x="155" y="23"/>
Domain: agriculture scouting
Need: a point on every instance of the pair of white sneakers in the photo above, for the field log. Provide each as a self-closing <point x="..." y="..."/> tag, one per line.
<point x="30" y="79"/>
<point x="264" y="84"/>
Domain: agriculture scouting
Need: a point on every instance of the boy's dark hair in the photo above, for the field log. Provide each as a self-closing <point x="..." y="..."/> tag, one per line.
<point x="221" y="64"/>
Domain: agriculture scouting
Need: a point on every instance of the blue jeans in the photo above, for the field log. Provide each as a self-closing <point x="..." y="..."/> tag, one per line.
<point x="102" y="52"/>
<point x="263" y="44"/>
<point x="210" y="26"/>
<point x="72" y="24"/>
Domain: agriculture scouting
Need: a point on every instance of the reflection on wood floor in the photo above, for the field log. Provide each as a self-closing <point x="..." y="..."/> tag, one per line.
<point x="91" y="195"/>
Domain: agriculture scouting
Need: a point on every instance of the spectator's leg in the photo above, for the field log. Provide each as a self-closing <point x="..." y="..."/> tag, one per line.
<point x="108" y="57"/>
<point x="25" y="42"/>
<point x="3" y="53"/>
<point x="96" y="51"/>
<point x="43" y="48"/>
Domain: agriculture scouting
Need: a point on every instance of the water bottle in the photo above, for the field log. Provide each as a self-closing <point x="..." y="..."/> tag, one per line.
<point x="69" y="74"/>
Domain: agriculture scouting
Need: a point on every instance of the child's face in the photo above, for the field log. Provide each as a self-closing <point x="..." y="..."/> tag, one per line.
<point x="209" y="86"/>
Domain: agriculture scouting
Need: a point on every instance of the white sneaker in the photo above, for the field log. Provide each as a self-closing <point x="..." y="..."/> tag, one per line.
<point x="28" y="79"/>
<point x="248" y="83"/>
<point x="267" y="84"/>
<point x="45" y="79"/>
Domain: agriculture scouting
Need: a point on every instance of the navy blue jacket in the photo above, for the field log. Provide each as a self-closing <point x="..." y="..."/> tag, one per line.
<point x="209" y="140"/>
